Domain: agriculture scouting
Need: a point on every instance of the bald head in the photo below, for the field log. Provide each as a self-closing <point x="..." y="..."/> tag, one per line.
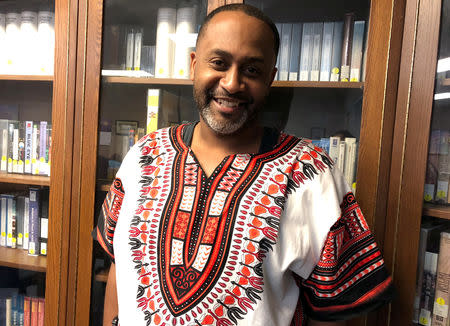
<point x="249" y="11"/>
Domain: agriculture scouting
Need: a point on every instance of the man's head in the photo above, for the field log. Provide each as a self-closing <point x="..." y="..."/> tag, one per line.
<point x="233" y="67"/>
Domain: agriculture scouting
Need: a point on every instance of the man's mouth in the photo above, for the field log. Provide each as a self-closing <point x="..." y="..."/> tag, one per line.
<point x="229" y="103"/>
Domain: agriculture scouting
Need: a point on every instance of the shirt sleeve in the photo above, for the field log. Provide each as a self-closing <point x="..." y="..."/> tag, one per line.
<point x="109" y="214"/>
<point x="350" y="277"/>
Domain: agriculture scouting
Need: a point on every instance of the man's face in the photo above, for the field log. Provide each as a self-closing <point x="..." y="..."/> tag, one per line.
<point x="232" y="71"/>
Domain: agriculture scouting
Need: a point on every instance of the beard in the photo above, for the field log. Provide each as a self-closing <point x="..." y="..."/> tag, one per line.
<point x="224" y="124"/>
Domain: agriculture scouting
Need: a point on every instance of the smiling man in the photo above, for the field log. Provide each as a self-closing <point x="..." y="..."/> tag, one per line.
<point x="227" y="222"/>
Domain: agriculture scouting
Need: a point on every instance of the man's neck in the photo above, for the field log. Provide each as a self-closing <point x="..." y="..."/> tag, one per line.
<point x="247" y="140"/>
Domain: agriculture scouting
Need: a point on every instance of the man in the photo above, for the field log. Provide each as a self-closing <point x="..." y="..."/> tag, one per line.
<point x="225" y="222"/>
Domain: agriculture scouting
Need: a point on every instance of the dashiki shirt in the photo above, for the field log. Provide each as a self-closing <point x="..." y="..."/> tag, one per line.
<point x="265" y="240"/>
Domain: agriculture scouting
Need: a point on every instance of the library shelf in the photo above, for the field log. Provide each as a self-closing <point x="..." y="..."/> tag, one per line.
<point x="26" y="179"/>
<point x="45" y="78"/>
<point x="277" y="83"/>
<point x="439" y="211"/>
<point x="19" y="258"/>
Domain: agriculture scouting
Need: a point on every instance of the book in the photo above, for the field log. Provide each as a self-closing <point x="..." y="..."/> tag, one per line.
<point x="28" y="146"/>
<point x="294" y="56"/>
<point x="15" y="310"/>
<point x="185" y="25"/>
<point x="357" y="50"/>
<point x="316" y="51"/>
<point x="334" y="149"/>
<point x="350" y="159"/>
<point x="3" y="219"/>
<point x="20" y="214"/>
<point x="34" y="315"/>
<point x="26" y="224"/>
<point x="26" y="311"/>
<point x="41" y="311"/>
<point x="336" y="53"/>
<point x="46" y="41"/>
<point x="306" y="51"/>
<point x="11" y="237"/>
<point x="166" y="20"/>
<point x="44" y="222"/>
<point x="162" y="109"/>
<point x="15" y="148"/>
<point x="285" y="49"/>
<point x="43" y="148"/>
<point x="341" y="159"/>
<point x="347" y="47"/>
<point x="12" y="37"/>
<point x="2" y="43"/>
<point x="428" y="288"/>
<point x="130" y="49"/>
<point x="432" y="171"/>
<point x="137" y="48"/>
<point x="327" y="49"/>
<point x="442" y="294"/>
<point x="8" y="311"/>
<point x="21" y="148"/>
<point x="35" y="149"/>
<point x="12" y="150"/>
<point x="277" y="74"/>
<point x="428" y="241"/>
<point x="4" y="145"/>
<point x="33" y="244"/>
<point x="28" y="36"/>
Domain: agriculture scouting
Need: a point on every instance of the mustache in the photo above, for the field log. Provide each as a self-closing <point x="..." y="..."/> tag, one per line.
<point x="223" y="93"/>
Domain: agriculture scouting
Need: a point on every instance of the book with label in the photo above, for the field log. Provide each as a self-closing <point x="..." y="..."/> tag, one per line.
<point x="162" y="109"/>
<point x="166" y="21"/>
<point x="35" y="164"/>
<point x="294" y="57"/>
<point x="350" y="159"/>
<point x="442" y="294"/>
<point x="285" y="49"/>
<point x="33" y="244"/>
<point x="277" y="74"/>
<point x="4" y="145"/>
<point x="44" y="222"/>
<point x="306" y="51"/>
<point x="27" y="311"/>
<point x="327" y="49"/>
<point x="336" y="53"/>
<point x="11" y="237"/>
<point x="357" y="50"/>
<point x="21" y="148"/>
<point x="316" y="51"/>
<point x="428" y="288"/>
<point x="347" y="47"/>
<point x="12" y="150"/>
<point x="28" y="145"/>
<point x="20" y="217"/>
<point x="3" y="219"/>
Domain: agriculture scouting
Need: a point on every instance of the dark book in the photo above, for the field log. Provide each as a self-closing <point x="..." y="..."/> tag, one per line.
<point x="33" y="245"/>
<point x="346" y="56"/>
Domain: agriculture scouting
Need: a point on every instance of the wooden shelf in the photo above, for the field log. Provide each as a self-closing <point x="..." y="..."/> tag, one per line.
<point x="102" y="276"/>
<point x="19" y="258"/>
<point x="446" y="82"/>
<point x="35" y="180"/>
<point x="47" y="78"/>
<point x="439" y="211"/>
<point x="278" y="83"/>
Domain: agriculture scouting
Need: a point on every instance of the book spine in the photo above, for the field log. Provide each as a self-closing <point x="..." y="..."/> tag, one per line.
<point x="43" y="147"/>
<point x="334" y="149"/>
<point x="15" y="310"/>
<point x="442" y="294"/>
<point x="28" y="145"/>
<point x="33" y="245"/>
<point x="186" y="22"/>
<point x="20" y="206"/>
<point x="347" y="47"/>
<point x="15" y="148"/>
<point x="49" y="148"/>
<point x="350" y="159"/>
<point x="11" y="240"/>
<point x="3" y="218"/>
<point x="41" y="311"/>
<point x="8" y="311"/>
<point x="10" y="147"/>
<point x="153" y="96"/>
<point x="26" y="224"/>
<point x="137" y="49"/>
<point x="327" y="48"/>
<point x="21" y="148"/>
<point x="428" y="288"/>
<point x="35" y="150"/>
<point x="316" y="51"/>
<point x="21" y="310"/>
<point x="285" y="49"/>
<point x="26" y="311"/>
<point x="306" y="52"/>
<point x="357" y="50"/>
<point x="130" y="47"/>
<point x="294" y="57"/>
<point x="277" y="74"/>
<point x="34" y="312"/>
<point x="342" y="151"/>
<point x="166" y="21"/>
<point x="4" y="148"/>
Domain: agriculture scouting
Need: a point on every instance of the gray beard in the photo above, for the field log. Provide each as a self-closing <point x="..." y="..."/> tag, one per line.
<point x="223" y="128"/>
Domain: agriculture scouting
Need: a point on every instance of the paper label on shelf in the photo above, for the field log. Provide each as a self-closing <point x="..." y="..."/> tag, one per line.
<point x="20" y="239"/>
<point x="293" y="76"/>
<point x="428" y="193"/>
<point x="14" y="166"/>
<point x="31" y="248"/>
<point x="314" y="75"/>
<point x="440" y="308"/>
<point x="354" y="75"/>
<point x="304" y="75"/>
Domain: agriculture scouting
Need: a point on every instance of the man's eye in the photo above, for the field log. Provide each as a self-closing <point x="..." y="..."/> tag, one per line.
<point x="252" y="71"/>
<point x="218" y="64"/>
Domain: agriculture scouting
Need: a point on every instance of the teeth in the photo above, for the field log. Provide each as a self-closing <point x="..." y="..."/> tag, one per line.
<point x="228" y="103"/>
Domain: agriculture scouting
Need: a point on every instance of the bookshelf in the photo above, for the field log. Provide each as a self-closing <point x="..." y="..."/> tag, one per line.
<point x="25" y="179"/>
<point x="42" y="78"/>
<point x="438" y="211"/>
<point x="18" y="258"/>
<point x="118" y="95"/>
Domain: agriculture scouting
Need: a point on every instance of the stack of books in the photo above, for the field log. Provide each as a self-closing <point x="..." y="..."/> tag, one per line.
<point x="20" y="310"/>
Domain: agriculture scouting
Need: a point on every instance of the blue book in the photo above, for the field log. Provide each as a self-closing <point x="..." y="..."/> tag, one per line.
<point x="33" y="244"/>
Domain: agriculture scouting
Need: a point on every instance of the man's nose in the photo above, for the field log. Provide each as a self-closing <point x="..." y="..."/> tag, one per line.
<point x="232" y="80"/>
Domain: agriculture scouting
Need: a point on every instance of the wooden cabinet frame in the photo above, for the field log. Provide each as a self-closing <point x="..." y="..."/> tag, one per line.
<point x="380" y="96"/>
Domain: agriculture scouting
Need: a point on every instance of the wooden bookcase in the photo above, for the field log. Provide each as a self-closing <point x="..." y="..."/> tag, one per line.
<point x="58" y="87"/>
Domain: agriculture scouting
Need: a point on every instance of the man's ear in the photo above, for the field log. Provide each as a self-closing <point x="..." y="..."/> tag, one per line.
<point x="192" y="67"/>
